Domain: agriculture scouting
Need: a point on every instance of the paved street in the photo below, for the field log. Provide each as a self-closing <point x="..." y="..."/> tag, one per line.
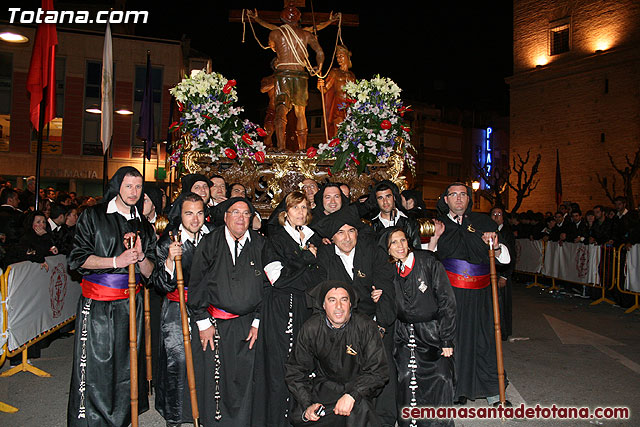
<point x="575" y="355"/>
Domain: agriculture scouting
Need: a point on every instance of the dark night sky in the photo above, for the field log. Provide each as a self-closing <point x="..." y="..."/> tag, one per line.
<point x="452" y="54"/>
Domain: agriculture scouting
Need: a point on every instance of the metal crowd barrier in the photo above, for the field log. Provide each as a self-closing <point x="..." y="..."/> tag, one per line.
<point x="611" y="272"/>
<point x="23" y="366"/>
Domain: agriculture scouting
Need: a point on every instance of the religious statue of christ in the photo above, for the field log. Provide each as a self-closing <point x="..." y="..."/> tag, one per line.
<point x="289" y="41"/>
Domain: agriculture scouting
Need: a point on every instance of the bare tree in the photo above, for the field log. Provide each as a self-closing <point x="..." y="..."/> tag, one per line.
<point x="604" y="183"/>
<point x="628" y="174"/>
<point x="524" y="182"/>
<point x="496" y="179"/>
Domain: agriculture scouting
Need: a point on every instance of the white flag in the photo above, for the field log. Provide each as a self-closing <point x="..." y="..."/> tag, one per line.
<point x="106" y="122"/>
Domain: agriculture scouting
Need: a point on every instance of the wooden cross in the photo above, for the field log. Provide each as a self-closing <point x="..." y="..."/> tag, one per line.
<point x="348" y="20"/>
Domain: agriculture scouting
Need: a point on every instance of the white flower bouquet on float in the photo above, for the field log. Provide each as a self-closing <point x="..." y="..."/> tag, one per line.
<point x="373" y="129"/>
<point x="211" y="123"/>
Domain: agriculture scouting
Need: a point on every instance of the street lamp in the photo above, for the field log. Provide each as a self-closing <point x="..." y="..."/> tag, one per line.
<point x="476" y="200"/>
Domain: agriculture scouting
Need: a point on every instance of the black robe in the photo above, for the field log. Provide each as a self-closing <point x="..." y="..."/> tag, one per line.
<point x="322" y="350"/>
<point x="106" y="382"/>
<point x="507" y="237"/>
<point x="427" y="309"/>
<point x="476" y="363"/>
<point x="287" y="295"/>
<point x="371" y="267"/>
<point x="171" y="386"/>
<point x="236" y="289"/>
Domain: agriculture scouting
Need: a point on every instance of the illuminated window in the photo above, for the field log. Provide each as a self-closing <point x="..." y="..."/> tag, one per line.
<point x="559" y="38"/>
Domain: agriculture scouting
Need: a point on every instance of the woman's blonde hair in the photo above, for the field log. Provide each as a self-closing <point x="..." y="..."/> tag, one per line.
<point x="293" y="199"/>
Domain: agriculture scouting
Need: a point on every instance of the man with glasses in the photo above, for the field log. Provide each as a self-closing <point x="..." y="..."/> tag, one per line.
<point x="461" y="239"/>
<point x="225" y="292"/>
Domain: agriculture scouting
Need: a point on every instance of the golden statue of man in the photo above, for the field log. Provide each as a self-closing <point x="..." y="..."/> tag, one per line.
<point x="333" y="90"/>
<point x="289" y="41"/>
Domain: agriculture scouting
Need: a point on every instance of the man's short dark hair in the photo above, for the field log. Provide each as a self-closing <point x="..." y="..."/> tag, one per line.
<point x="578" y="211"/>
<point x="621" y="199"/>
<point x="57" y="210"/>
<point x="598" y="207"/>
<point x="230" y="187"/>
<point x="6" y="194"/>
<point x="134" y="173"/>
<point x="383" y="186"/>
<point x="192" y="197"/>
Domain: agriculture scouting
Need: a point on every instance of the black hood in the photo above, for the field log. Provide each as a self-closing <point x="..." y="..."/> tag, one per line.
<point x="317" y="198"/>
<point x="113" y="188"/>
<point x="443" y="208"/>
<point x="329" y="225"/>
<point x="318" y="292"/>
<point x="187" y="181"/>
<point x="155" y="194"/>
<point x="372" y="202"/>
<point x="224" y="206"/>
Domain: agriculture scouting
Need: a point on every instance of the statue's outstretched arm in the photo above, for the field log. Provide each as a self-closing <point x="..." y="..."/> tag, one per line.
<point x="321" y="26"/>
<point x="253" y="14"/>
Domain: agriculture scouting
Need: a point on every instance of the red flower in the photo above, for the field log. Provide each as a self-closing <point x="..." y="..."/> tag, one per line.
<point x="386" y="124"/>
<point x="334" y="142"/>
<point x="350" y="100"/>
<point x="230" y="153"/>
<point x="329" y="171"/>
<point x="259" y="156"/>
<point x="406" y="129"/>
<point x="311" y="152"/>
<point x="261" y="132"/>
<point x="226" y="102"/>
<point x="175" y="124"/>
<point x="226" y="89"/>
<point x="355" y="160"/>
<point x="231" y="83"/>
<point x="206" y="116"/>
<point x="246" y="138"/>
<point x="180" y="106"/>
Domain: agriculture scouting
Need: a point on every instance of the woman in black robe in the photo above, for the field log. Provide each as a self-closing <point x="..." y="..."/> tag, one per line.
<point x="289" y="257"/>
<point x="425" y="330"/>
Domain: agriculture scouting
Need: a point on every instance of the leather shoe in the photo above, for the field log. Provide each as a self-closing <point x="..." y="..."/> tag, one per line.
<point x="461" y="401"/>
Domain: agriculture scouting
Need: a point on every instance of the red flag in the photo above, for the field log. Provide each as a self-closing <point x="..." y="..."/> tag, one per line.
<point x="42" y="71"/>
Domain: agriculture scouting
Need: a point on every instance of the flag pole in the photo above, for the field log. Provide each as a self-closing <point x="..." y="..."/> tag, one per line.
<point x="43" y="106"/>
<point x="105" y="171"/>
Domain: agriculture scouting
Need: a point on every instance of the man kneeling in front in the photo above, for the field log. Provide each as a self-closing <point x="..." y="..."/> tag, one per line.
<point x="338" y="364"/>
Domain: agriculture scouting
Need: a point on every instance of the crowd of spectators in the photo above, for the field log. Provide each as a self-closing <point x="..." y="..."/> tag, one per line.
<point x="27" y="234"/>
<point x="601" y="225"/>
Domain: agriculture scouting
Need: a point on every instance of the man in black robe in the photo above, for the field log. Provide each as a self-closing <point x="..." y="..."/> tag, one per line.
<point x="354" y="257"/>
<point x="385" y="198"/>
<point x="328" y="200"/>
<point x="461" y="239"/>
<point x="172" y="392"/>
<point x="100" y="379"/>
<point x="338" y="364"/>
<point x="225" y="292"/>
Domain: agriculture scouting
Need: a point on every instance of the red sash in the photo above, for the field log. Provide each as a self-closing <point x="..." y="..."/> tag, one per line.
<point x="107" y="290"/>
<point x="468" y="282"/>
<point x="175" y="295"/>
<point x="217" y="313"/>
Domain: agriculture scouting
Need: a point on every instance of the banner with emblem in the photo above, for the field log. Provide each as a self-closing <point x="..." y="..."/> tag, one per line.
<point x="574" y="262"/>
<point x="39" y="299"/>
<point x="632" y="280"/>
<point x="529" y="255"/>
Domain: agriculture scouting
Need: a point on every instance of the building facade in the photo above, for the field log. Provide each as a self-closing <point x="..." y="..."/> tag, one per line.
<point x="576" y="88"/>
<point x="72" y="157"/>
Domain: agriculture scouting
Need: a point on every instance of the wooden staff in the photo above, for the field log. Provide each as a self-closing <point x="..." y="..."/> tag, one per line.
<point x="147" y="337"/>
<point x="496" y="319"/>
<point x="133" y="339"/>
<point x="191" y="378"/>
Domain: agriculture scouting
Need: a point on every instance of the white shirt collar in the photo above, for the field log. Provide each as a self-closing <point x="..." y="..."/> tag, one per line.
<point x="620" y="215"/>
<point x="295" y="234"/>
<point x="393" y="221"/>
<point x="184" y="236"/>
<point x="231" y="242"/>
<point x="409" y="261"/>
<point x="154" y="219"/>
<point x="52" y="224"/>
<point x="347" y="260"/>
<point x="450" y="215"/>
<point x="500" y="227"/>
<point x="113" y="208"/>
